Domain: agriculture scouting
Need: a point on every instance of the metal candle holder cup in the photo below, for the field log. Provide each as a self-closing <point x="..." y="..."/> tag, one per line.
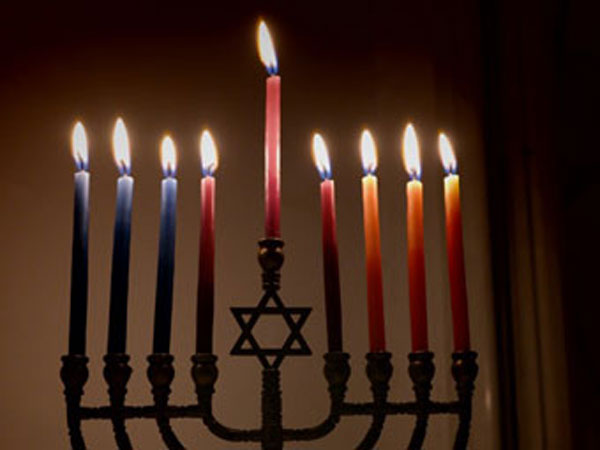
<point x="272" y="434"/>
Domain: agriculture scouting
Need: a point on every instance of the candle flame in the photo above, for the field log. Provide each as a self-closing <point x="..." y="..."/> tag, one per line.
<point x="410" y="146"/>
<point x="368" y="152"/>
<point x="447" y="154"/>
<point x="208" y="154"/>
<point x="121" y="147"/>
<point x="168" y="156"/>
<point x="79" y="146"/>
<point x="266" y="49"/>
<point x="321" y="156"/>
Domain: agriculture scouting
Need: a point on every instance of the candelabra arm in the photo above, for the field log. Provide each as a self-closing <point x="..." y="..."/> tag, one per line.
<point x="205" y="374"/>
<point x="271" y="435"/>
<point x="74" y="374"/>
<point x="117" y="373"/>
<point x="161" y="374"/>
<point x="337" y="373"/>
<point x="379" y="372"/>
<point x="464" y="372"/>
<point x="421" y="371"/>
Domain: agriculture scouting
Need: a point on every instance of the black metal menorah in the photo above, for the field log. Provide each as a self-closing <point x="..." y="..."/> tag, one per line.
<point x="272" y="434"/>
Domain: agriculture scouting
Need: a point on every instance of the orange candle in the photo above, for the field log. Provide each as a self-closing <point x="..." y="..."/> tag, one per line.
<point x="372" y="244"/>
<point x="454" y="243"/>
<point x="416" y="248"/>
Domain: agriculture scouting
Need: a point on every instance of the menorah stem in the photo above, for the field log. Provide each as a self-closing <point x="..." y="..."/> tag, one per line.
<point x="421" y="371"/>
<point x="161" y="374"/>
<point x="74" y="424"/>
<point x="379" y="372"/>
<point x="271" y="410"/>
<point x="464" y="372"/>
<point x="116" y="373"/>
<point x="74" y="374"/>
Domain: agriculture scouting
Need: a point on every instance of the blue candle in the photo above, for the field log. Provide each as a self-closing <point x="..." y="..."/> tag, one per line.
<point x="166" y="250"/>
<point x="117" y="327"/>
<point x="79" y="261"/>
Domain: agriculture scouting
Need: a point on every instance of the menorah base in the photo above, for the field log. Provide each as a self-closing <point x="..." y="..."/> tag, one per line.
<point x="272" y="434"/>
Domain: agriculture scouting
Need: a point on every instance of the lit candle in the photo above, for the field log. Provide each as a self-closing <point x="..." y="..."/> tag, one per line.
<point x="166" y="249"/>
<point x="206" y="267"/>
<point x="272" y="133"/>
<point x="117" y="326"/>
<point x="79" y="262"/>
<point x="372" y="244"/>
<point x="454" y="242"/>
<point x="416" y="250"/>
<point x="333" y="308"/>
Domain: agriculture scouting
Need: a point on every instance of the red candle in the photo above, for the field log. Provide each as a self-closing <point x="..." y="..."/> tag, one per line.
<point x="272" y="133"/>
<point x="372" y="244"/>
<point x="454" y="242"/>
<point x="416" y="248"/>
<point x="206" y="268"/>
<point x="331" y="270"/>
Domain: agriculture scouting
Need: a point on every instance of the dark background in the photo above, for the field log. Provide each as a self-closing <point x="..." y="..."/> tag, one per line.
<point x="515" y="82"/>
<point x="578" y="63"/>
<point x="542" y="97"/>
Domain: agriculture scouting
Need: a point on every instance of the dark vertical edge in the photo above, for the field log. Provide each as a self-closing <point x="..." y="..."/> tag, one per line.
<point x="498" y="219"/>
<point x="562" y="87"/>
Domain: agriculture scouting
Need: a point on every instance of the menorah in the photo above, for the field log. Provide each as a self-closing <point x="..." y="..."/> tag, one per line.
<point x="272" y="434"/>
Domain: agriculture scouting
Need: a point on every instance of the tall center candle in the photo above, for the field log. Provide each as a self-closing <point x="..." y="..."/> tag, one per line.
<point x="272" y="133"/>
<point x="206" y="267"/>
<point x="416" y="245"/>
<point x="331" y="271"/>
<point x="372" y="244"/>
<point x="79" y="262"/>
<point x="166" y="249"/>
<point x="454" y="243"/>
<point x="117" y="325"/>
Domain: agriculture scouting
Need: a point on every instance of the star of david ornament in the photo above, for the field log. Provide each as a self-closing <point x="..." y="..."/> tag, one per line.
<point x="271" y="259"/>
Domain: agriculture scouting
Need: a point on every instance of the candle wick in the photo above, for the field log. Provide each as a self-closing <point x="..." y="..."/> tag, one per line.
<point x="124" y="170"/>
<point x="169" y="171"/>
<point x="325" y="174"/>
<point x="452" y="170"/>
